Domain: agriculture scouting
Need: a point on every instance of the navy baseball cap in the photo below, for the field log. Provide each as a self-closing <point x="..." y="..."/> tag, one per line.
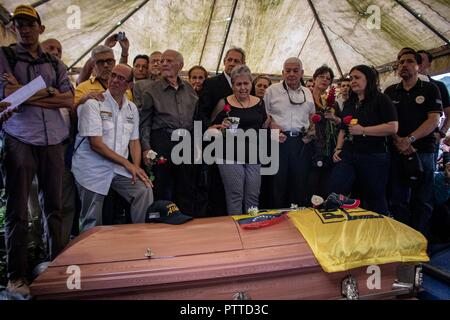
<point x="163" y="211"/>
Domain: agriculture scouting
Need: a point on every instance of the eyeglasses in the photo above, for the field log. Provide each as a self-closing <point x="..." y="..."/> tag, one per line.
<point x="290" y="98"/>
<point x="109" y="62"/>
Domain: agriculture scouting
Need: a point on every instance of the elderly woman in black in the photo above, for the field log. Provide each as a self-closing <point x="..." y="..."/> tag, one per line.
<point x="361" y="153"/>
<point x="240" y="174"/>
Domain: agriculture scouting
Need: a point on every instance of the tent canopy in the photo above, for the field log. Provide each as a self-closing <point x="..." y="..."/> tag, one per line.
<point x="336" y="33"/>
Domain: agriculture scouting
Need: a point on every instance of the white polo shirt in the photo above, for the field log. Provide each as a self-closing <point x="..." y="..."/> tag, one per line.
<point x="116" y="127"/>
<point x="291" y="117"/>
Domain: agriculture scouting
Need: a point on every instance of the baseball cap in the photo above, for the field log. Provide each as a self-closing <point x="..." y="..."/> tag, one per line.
<point x="163" y="211"/>
<point x="26" y="11"/>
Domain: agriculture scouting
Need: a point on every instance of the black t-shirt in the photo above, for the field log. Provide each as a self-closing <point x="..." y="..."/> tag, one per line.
<point x="369" y="112"/>
<point x="249" y="118"/>
<point x="413" y="107"/>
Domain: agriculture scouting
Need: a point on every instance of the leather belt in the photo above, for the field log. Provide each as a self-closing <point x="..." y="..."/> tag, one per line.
<point x="292" y="133"/>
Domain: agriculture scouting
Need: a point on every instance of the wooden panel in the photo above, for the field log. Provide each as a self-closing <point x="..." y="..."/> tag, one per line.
<point x="210" y="258"/>
<point x="177" y="270"/>
<point x="130" y="242"/>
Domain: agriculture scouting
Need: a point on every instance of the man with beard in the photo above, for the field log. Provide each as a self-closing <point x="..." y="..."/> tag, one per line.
<point x="419" y="106"/>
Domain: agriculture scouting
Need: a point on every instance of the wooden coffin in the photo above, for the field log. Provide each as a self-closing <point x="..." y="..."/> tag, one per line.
<point x="211" y="258"/>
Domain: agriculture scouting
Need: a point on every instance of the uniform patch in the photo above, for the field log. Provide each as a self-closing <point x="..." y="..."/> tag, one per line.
<point x="105" y="115"/>
<point x="420" y="99"/>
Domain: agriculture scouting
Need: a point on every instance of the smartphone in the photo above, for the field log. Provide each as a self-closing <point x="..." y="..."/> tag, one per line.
<point x="120" y="36"/>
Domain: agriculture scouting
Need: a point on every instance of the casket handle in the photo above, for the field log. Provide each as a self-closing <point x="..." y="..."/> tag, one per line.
<point x="241" y="295"/>
<point x="349" y="288"/>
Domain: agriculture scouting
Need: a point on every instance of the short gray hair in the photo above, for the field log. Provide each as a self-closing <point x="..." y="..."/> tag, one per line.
<point x="293" y="60"/>
<point x="240" y="50"/>
<point x="101" y="49"/>
<point x="241" y="70"/>
<point x="178" y="56"/>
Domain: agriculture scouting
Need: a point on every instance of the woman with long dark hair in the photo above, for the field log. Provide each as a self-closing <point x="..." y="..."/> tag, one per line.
<point x="361" y="153"/>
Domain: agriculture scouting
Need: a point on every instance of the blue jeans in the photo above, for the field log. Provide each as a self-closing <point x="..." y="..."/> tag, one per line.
<point x="371" y="171"/>
<point x="412" y="204"/>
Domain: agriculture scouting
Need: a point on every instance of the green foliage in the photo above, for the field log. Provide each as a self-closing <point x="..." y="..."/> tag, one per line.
<point x="2" y="217"/>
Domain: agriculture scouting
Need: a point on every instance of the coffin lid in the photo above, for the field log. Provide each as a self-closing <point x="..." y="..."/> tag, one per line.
<point x="200" y="236"/>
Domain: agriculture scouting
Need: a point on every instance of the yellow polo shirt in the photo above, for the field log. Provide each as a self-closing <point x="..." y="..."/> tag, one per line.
<point x="93" y="85"/>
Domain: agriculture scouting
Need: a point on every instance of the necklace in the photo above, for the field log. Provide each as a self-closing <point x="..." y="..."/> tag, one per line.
<point x="239" y="101"/>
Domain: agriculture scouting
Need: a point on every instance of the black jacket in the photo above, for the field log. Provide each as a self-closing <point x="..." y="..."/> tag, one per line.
<point x="213" y="90"/>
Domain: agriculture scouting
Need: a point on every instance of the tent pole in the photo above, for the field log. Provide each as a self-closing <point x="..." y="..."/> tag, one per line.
<point x="226" y="35"/>
<point x="325" y="36"/>
<point x="424" y="22"/>
<point x="121" y="22"/>
<point x="306" y="39"/>
<point x="38" y="3"/>
<point x="207" y="32"/>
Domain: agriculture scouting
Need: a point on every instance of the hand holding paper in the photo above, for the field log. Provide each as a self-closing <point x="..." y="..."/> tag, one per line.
<point x="24" y="93"/>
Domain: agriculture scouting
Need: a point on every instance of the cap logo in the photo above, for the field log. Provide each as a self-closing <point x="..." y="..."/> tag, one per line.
<point x="171" y="208"/>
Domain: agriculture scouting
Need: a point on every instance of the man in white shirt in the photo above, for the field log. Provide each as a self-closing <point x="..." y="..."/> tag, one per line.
<point x="291" y="106"/>
<point x="106" y="129"/>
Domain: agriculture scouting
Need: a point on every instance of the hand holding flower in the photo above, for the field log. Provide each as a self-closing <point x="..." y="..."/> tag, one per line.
<point x="356" y="130"/>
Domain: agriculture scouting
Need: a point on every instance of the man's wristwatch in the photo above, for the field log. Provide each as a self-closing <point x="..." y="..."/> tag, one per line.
<point x="51" y="91"/>
<point x="411" y="139"/>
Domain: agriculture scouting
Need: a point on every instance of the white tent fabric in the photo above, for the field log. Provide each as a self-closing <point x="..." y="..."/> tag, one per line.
<point x="268" y="30"/>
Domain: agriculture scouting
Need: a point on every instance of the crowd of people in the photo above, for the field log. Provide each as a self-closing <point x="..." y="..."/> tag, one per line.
<point x="104" y="144"/>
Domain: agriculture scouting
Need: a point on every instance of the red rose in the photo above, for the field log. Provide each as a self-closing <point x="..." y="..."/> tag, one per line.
<point x="227" y="108"/>
<point x="316" y="118"/>
<point x="161" y="161"/>
<point x="347" y="119"/>
<point x="331" y="98"/>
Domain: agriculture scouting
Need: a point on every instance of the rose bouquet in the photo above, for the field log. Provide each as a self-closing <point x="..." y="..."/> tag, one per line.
<point x="153" y="159"/>
<point x="326" y="129"/>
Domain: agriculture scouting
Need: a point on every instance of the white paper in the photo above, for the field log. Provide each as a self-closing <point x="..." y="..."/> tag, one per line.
<point x="26" y="92"/>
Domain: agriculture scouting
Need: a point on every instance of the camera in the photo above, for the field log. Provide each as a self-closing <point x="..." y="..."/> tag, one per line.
<point x="120" y="36"/>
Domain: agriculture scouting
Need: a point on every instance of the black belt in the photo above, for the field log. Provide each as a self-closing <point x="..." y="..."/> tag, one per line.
<point x="293" y="133"/>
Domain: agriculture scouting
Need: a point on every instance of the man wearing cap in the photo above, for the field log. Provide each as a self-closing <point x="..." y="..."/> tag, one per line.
<point x="291" y="105"/>
<point x="106" y="130"/>
<point x="32" y="144"/>
<point x="419" y="106"/>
